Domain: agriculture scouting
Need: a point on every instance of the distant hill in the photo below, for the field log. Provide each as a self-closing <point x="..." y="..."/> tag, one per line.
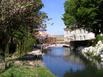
<point x="61" y="36"/>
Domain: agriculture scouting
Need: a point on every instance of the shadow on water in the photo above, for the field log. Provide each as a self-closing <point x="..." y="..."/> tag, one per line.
<point x="87" y="72"/>
<point x="91" y="70"/>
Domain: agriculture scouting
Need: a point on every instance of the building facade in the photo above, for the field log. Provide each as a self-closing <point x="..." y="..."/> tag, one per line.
<point x="77" y="35"/>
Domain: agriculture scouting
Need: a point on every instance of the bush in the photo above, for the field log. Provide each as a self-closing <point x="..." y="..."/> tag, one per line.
<point x="26" y="45"/>
<point x="99" y="38"/>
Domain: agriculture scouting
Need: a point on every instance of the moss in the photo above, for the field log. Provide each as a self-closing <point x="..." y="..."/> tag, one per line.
<point x="27" y="71"/>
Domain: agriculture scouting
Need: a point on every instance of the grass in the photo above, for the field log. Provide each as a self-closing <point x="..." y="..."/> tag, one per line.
<point x="27" y="71"/>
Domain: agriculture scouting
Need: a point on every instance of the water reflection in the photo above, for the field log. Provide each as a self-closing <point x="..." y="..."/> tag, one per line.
<point x="60" y="60"/>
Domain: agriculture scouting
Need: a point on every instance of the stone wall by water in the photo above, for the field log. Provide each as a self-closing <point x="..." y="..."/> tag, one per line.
<point x="94" y="51"/>
<point x="94" y="54"/>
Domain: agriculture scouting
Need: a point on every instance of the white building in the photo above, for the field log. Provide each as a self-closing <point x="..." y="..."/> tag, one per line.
<point x="77" y="35"/>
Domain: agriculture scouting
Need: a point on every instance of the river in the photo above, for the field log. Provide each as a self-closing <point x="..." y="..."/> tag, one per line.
<point x="60" y="60"/>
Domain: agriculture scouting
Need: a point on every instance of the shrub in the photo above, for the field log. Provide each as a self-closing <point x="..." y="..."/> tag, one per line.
<point x="99" y="38"/>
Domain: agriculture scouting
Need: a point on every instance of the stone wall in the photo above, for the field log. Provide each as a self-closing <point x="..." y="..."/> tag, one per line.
<point x="94" y="54"/>
<point x="94" y="51"/>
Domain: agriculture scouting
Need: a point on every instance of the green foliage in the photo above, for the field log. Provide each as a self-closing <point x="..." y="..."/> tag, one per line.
<point x="25" y="71"/>
<point x="29" y="42"/>
<point x="99" y="38"/>
<point x="84" y="14"/>
<point x="69" y="20"/>
<point x="18" y="18"/>
<point x="26" y="45"/>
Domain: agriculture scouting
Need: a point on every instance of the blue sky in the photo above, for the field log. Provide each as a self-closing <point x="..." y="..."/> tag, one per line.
<point x="54" y="10"/>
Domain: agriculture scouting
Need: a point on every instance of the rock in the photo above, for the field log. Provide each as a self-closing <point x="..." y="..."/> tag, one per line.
<point x="18" y="63"/>
<point x="94" y="51"/>
<point x="31" y="63"/>
<point x="102" y="59"/>
<point x="36" y="52"/>
<point x="99" y="43"/>
<point x="101" y="55"/>
<point x="2" y="66"/>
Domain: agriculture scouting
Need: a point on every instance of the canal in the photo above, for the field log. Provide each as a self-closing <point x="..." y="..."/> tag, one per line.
<point x="60" y="60"/>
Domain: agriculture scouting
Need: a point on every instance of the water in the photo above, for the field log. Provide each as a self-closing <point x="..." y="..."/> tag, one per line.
<point x="60" y="60"/>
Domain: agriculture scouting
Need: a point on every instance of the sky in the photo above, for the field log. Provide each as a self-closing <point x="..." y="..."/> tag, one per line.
<point x="55" y="11"/>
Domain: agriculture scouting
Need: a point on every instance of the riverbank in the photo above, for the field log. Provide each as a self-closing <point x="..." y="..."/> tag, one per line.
<point x="28" y="65"/>
<point x="93" y="54"/>
<point x="27" y="71"/>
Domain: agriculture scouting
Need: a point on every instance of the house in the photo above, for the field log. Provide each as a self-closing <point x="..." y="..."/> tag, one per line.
<point x="77" y="35"/>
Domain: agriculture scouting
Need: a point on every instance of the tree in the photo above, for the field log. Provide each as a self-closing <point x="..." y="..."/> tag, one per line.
<point x="85" y="14"/>
<point x="18" y="18"/>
